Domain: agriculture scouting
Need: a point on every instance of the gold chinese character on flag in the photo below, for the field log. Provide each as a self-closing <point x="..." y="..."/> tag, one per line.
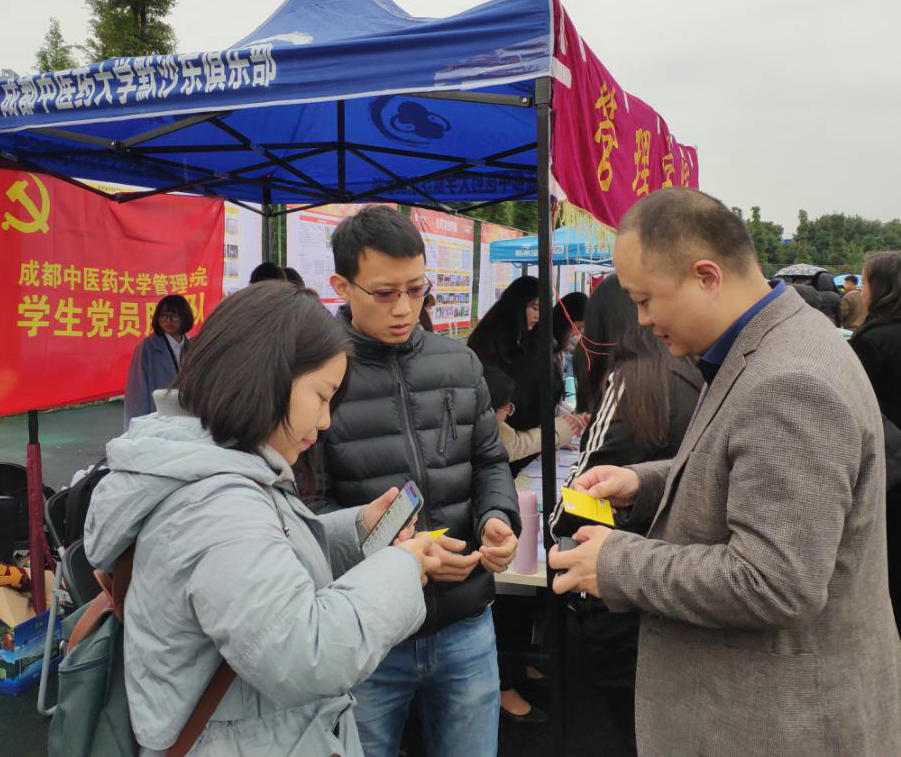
<point x="606" y="135"/>
<point x="52" y="275"/>
<point x="72" y="277"/>
<point x="29" y="273"/>
<point x="179" y="282"/>
<point x="642" y="157"/>
<point x="34" y="310"/>
<point x="110" y="280"/>
<point x="160" y="283"/>
<point x="143" y="283"/>
<point x="129" y="319"/>
<point x="198" y="277"/>
<point x="68" y="317"/>
<point x="91" y="279"/>
<point x="100" y="313"/>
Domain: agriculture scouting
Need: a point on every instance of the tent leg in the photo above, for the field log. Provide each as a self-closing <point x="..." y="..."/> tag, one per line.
<point x="556" y="604"/>
<point x="267" y="223"/>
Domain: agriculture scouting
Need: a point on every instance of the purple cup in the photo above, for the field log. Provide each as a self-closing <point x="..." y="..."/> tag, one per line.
<point x="526" y="559"/>
<point x="528" y="503"/>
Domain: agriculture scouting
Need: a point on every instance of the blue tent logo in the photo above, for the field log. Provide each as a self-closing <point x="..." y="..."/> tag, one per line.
<point x="407" y="121"/>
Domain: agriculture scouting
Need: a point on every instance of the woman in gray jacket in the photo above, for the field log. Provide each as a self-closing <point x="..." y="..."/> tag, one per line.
<point x="229" y="563"/>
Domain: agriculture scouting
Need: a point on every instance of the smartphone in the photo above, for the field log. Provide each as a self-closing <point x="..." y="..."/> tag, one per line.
<point x="395" y="519"/>
<point x="566" y="543"/>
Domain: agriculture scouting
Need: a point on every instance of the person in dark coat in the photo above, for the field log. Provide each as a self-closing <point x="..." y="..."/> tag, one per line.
<point x="568" y="319"/>
<point x="830" y="299"/>
<point x="878" y="345"/>
<point x="157" y="358"/>
<point x="267" y="271"/>
<point x="641" y="400"/>
<point x="506" y="338"/>
<point x="417" y="408"/>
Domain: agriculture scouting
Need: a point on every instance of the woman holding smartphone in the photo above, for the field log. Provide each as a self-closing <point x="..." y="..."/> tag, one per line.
<point x="229" y="563"/>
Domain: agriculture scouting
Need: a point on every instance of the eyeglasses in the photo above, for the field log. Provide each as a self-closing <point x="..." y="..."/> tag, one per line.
<point x="393" y="295"/>
<point x="510" y="408"/>
<point x="170" y="316"/>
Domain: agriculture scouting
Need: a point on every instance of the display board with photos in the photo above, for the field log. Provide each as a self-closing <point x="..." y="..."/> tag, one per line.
<point x="448" y="248"/>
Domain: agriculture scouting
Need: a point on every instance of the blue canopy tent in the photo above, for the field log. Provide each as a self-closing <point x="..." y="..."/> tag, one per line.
<point x="569" y="246"/>
<point x="325" y="102"/>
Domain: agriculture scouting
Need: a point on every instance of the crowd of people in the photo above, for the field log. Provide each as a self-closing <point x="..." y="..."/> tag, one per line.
<point x="742" y="605"/>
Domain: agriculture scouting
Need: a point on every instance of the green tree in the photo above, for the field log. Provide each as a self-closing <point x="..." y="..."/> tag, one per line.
<point x="803" y="253"/>
<point x="128" y="28"/>
<point x="54" y="54"/>
<point x="767" y="239"/>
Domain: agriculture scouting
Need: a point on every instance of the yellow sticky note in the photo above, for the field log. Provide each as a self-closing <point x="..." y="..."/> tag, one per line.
<point x="583" y="505"/>
<point x="437" y="532"/>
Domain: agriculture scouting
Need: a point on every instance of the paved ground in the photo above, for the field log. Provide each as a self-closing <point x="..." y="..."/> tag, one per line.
<point x="70" y="439"/>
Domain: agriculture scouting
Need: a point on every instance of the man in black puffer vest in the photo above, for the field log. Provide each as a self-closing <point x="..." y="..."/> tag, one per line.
<point x="417" y="407"/>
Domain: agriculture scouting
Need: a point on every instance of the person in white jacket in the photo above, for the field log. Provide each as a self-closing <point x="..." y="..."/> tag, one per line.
<point x="521" y="444"/>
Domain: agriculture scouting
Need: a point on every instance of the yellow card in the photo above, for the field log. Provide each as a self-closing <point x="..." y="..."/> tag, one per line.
<point x="437" y="532"/>
<point x="583" y="505"/>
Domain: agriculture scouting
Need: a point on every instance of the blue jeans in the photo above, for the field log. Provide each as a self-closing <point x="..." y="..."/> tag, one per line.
<point x="455" y="670"/>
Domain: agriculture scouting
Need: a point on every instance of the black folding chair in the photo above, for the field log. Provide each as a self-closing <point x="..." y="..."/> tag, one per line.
<point x="73" y="568"/>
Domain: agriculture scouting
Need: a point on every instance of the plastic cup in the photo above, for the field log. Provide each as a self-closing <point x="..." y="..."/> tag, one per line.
<point x="526" y="559"/>
<point x="528" y="503"/>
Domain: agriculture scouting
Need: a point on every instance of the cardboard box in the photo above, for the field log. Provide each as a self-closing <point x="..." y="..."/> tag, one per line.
<point x="20" y="666"/>
<point x="22" y="635"/>
<point x="15" y="606"/>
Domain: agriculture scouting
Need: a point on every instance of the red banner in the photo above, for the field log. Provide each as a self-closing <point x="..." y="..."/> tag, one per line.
<point x="609" y="148"/>
<point x="80" y="276"/>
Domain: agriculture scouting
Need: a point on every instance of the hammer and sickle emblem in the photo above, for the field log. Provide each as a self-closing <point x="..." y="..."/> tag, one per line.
<point x="38" y="221"/>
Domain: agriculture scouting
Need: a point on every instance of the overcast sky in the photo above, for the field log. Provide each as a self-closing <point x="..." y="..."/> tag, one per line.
<point x="791" y="103"/>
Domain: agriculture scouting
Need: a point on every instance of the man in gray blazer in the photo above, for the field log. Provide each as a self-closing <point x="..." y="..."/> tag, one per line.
<point x="762" y="582"/>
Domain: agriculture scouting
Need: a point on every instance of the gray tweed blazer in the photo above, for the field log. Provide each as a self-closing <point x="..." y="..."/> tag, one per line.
<point x="766" y="624"/>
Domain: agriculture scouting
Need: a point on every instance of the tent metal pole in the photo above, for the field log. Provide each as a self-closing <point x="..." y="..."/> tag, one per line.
<point x="391" y="175"/>
<point x="342" y="150"/>
<point x="268" y="155"/>
<point x="556" y="604"/>
<point x="267" y="223"/>
<point x="485" y="98"/>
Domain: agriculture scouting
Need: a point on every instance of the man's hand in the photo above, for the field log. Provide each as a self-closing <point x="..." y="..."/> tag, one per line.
<point x="452" y="567"/>
<point x="581" y="563"/>
<point x="423" y="549"/>
<point x="377" y="508"/>
<point x="619" y="485"/>
<point x="498" y="545"/>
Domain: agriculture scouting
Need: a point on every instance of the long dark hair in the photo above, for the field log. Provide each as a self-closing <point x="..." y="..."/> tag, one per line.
<point x="641" y="364"/>
<point x="498" y="336"/>
<point x="238" y="375"/>
<point x="567" y="311"/>
<point x="882" y="271"/>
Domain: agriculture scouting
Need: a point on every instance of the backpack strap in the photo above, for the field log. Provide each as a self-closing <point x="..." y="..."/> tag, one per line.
<point x="204" y="710"/>
<point x="98" y="609"/>
<point x="111" y="601"/>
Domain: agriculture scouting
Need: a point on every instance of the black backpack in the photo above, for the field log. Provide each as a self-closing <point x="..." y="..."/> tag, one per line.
<point x="78" y="499"/>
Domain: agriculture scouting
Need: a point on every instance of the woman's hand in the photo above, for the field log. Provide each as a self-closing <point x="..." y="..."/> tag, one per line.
<point x="423" y="548"/>
<point x="576" y="422"/>
<point x="377" y="508"/>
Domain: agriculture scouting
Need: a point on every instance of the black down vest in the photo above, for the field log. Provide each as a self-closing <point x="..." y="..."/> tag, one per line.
<point x="421" y="410"/>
